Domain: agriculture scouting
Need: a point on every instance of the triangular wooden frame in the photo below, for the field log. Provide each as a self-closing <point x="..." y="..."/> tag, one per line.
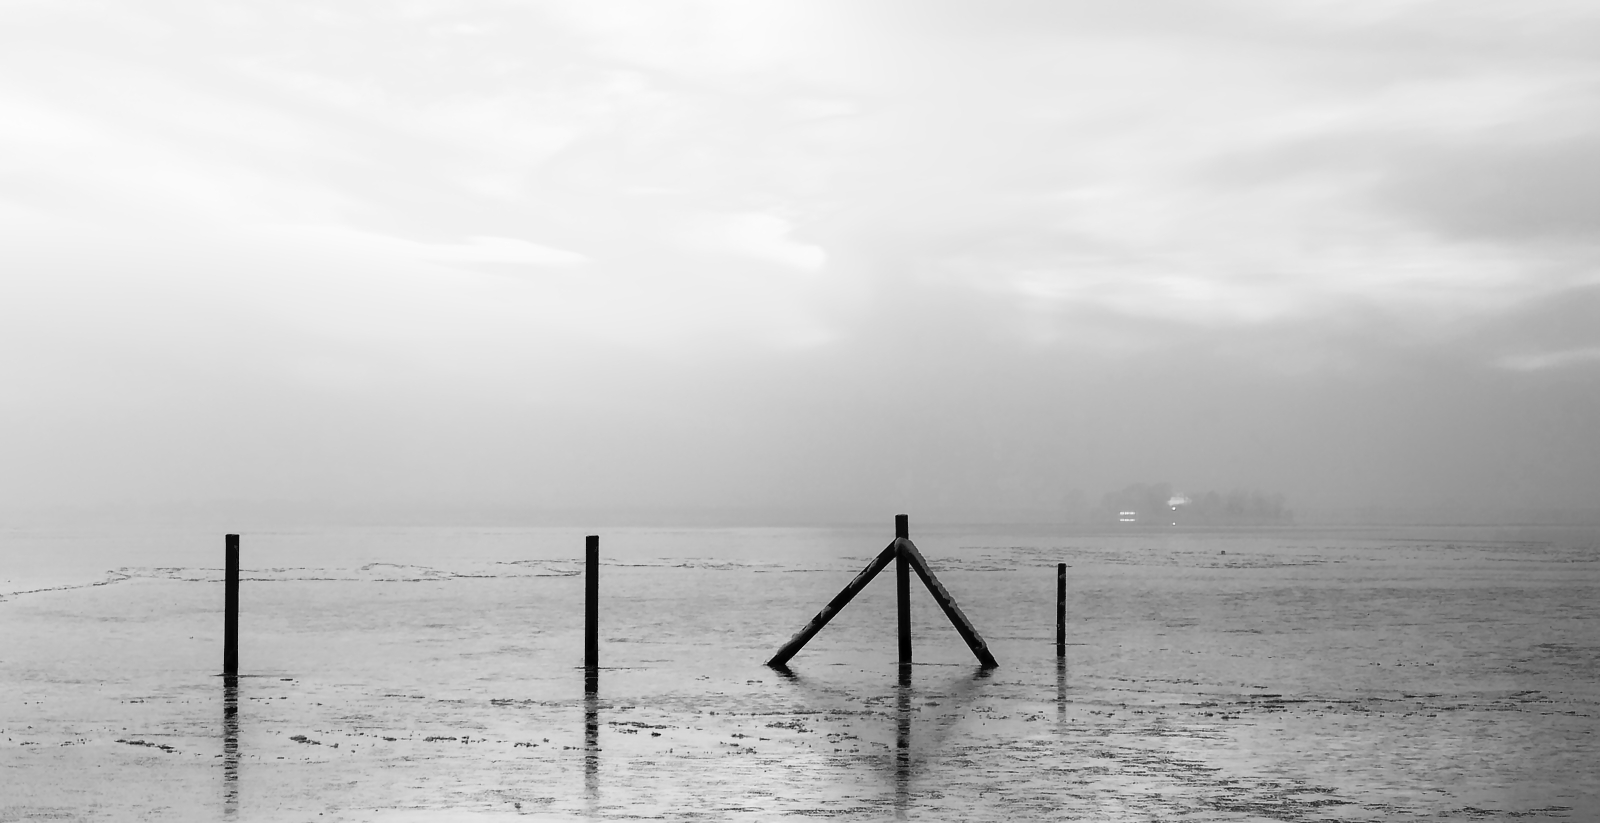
<point x="901" y="548"/>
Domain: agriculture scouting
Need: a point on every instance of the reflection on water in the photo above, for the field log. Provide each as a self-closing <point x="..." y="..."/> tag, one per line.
<point x="591" y="749"/>
<point x="230" y="745"/>
<point x="407" y="647"/>
<point x="902" y="743"/>
<point x="591" y="737"/>
<point x="1061" y="689"/>
<point x="955" y="695"/>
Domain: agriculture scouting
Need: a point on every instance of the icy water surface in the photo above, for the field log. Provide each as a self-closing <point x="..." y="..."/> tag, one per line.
<point x="1419" y="674"/>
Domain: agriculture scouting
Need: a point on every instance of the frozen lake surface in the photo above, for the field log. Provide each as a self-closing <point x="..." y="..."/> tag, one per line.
<point x="1302" y="675"/>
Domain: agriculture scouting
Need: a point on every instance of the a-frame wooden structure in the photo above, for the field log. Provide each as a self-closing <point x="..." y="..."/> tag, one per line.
<point x="905" y="556"/>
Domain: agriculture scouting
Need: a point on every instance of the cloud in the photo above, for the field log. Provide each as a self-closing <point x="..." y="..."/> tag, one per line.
<point x="499" y="250"/>
<point x="1212" y="164"/>
<point x="1550" y="360"/>
<point x="1520" y="188"/>
<point x="1051" y="220"/>
<point x="755" y="235"/>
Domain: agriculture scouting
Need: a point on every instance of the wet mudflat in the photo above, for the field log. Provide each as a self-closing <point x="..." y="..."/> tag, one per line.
<point x="1301" y="676"/>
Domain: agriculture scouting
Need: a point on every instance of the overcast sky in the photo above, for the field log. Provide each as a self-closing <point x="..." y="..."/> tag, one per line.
<point x="836" y="256"/>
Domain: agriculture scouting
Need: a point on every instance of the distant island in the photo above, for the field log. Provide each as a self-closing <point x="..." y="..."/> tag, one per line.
<point x="1157" y="504"/>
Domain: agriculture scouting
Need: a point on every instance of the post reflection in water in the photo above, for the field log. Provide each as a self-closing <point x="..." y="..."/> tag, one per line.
<point x="591" y="748"/>
<point x="1061" y="689"/>
<point x="955" y="695"/>
<point x="902" y="744"/>
<point x="230" y="745"/>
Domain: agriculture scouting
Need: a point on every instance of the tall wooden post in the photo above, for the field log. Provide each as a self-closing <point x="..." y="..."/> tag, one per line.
<point x="230" y="607"/>
<point x="902" y="587"/>
<point x="1061" y="610"/>
<point x="591" y="612"/>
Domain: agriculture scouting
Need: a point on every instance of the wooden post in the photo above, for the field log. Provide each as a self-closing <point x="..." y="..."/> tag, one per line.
<point x="230" y="607"/>
<point x="904" y="554"/>
<point x="1061" y="610"/>
<point x="902" y="587"/>
<point x="591" y="612"/>
<point x="947" y="603"/>
<point x="838" y="602"/>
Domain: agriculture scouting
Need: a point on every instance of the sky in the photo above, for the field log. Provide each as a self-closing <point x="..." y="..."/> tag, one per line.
<point x="469" y="260"/>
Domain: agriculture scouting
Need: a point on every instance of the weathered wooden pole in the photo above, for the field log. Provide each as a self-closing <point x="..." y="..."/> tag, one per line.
<point x="1061" y="610"/>
<point x="839" y="601"/>
<point x="902" y="586"/>
<point x="941" y="595"/>
<point x="903" y="553"/>
<point x="230" y="607"/>
<point x="591" y="613"/>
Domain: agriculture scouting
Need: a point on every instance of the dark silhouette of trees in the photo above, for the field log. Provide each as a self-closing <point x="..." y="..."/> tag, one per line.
<point x="1155" y="504"/>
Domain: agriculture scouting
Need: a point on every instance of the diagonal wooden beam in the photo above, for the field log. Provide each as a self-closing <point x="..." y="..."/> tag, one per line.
<point x="838" y="602"/>
<point x="942" y="597"/>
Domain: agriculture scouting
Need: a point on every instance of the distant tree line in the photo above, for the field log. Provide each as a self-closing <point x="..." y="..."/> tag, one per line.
<point x="1153" y="503"/>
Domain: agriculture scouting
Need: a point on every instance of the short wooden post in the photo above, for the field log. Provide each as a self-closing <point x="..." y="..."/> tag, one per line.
<point x="230" y="607"/>
<point x="902" y="587"/>
<point x="591" y="612"/>
<point x="1061" y="610"/>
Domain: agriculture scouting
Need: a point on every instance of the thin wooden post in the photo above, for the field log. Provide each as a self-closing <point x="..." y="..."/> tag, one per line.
<point x="1061" y="610"/>
<point x="839" y="601"/>
<point x="591" y="612"/>
<point x="230" y="607"/>
<point x="902" y="587"/>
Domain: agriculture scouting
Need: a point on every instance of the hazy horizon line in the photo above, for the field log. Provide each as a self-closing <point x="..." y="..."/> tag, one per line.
<point x="289" y="514"/>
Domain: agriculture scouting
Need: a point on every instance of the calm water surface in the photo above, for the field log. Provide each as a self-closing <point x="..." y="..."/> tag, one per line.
<point x="1300" y="675"/>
